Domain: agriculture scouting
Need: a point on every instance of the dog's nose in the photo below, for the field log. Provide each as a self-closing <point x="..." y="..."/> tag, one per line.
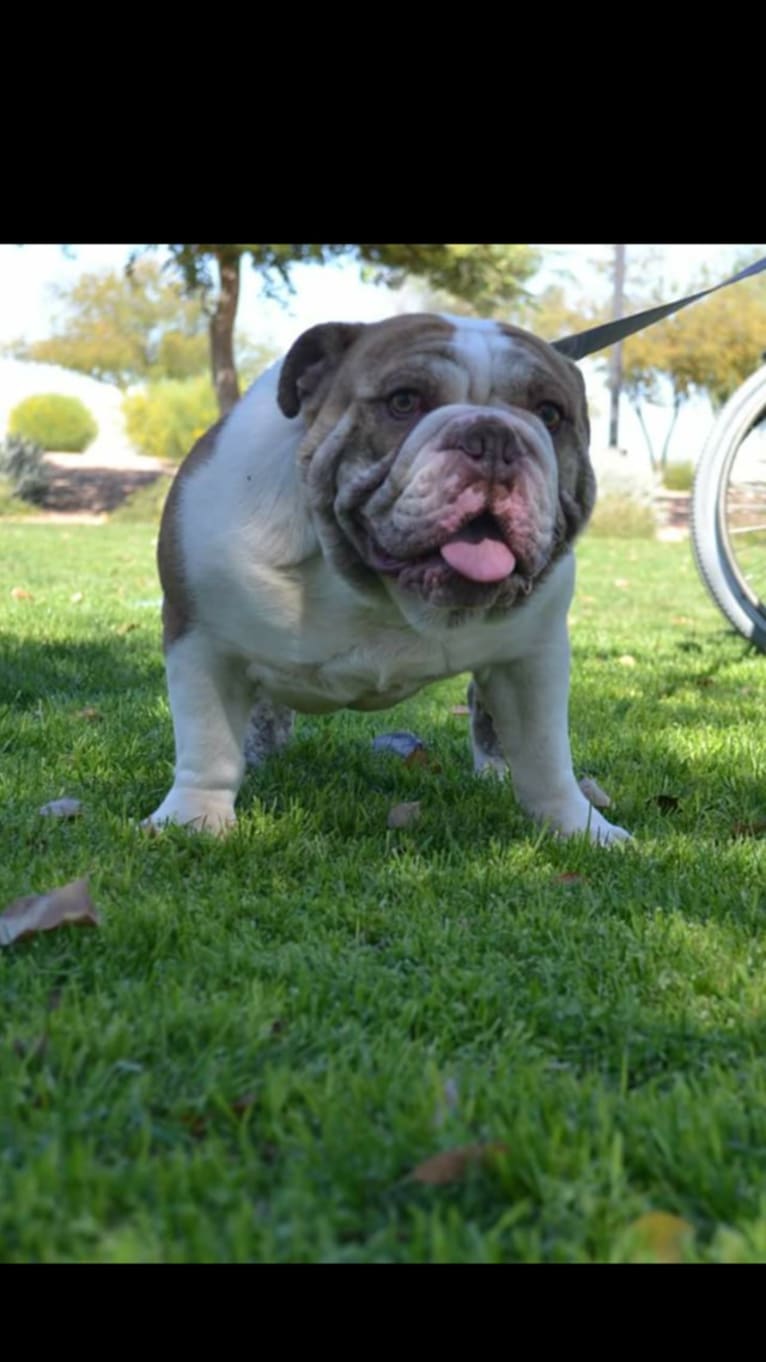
<point x="486" y="441"/>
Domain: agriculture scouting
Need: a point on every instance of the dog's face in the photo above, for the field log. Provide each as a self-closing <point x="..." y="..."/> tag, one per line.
<point x="445" y="459"/>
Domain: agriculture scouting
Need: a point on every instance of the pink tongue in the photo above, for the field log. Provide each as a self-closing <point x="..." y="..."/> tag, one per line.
<point x="488" y="561"/>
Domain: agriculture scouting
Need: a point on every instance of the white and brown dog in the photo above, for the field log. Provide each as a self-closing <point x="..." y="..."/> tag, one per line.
<point x="390" y="505"/>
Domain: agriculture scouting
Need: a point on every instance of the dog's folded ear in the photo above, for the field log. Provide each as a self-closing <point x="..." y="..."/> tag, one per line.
<point x="313" y="358"/>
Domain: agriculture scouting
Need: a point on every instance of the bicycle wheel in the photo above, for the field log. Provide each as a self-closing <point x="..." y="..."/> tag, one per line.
<point x="728" y="510"/>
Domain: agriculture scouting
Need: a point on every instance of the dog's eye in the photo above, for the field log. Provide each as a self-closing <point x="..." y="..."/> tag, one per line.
<point x="550" y="415"/>
<point x="404" y="402"/>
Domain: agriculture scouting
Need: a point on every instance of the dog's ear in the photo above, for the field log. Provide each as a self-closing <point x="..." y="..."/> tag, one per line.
<point x="314" y="357"/>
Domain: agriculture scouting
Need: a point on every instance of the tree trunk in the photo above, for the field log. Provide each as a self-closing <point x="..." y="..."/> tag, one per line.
<point x="222" y="333"/>
<point x="642" y="423"/>
<point x="615" y="359"/>
<point x="676" y="409"/>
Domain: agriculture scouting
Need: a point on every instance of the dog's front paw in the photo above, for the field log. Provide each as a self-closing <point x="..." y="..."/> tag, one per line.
<point x="200" y="810"/>
<point x="603" y="832"/>
<point x="574" y="816"/>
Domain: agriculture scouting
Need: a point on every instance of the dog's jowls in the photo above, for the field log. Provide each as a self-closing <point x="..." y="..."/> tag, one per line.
<point x="390" y="505"/>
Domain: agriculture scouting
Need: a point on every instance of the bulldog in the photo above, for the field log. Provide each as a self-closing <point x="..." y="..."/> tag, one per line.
<point x="389" y="505"/>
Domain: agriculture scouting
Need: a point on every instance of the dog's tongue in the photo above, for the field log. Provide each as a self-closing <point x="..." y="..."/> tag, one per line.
<point x="487" y="560"/>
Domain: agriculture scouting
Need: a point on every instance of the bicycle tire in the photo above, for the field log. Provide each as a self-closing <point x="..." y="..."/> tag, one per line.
<point x="710" y="537"/>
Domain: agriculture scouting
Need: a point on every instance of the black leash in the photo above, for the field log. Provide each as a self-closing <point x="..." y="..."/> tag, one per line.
<point x="598" y="337"/>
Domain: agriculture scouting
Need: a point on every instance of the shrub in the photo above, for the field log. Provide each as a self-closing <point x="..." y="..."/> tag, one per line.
<point x="54" y="421"/>
<point x="617" y="517"/>
<point x="22" y="467"/>
<point x="166" y="418"/>
<point x="144" y="507"/>
<point x="678" y="477"/>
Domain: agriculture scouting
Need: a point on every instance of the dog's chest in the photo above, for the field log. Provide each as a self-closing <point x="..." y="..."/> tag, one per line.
<point x="374" y="670"/>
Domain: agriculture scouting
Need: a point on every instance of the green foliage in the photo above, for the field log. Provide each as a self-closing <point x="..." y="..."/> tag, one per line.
<point x="166" y="418"/>
<point x="123" y="330"/>
<point x="490" y="277"/>
<point x="54" y="421"/>
<point x="621" y="517"/>
<point x="22" y="469"/>
<point x="143" y="507"/>
<point x="678" y="477"/>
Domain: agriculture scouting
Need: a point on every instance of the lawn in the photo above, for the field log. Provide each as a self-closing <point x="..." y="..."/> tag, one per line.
<point x="267" y="1036"/>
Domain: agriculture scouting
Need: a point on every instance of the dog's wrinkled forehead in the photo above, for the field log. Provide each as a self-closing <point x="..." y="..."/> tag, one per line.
<point x="471" y="361"/>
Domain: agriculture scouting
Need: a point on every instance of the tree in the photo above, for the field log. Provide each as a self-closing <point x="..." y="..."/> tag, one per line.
<point x="710" y="347"/>
<point x="487" y="276"/>
<point x="124" y="329"/>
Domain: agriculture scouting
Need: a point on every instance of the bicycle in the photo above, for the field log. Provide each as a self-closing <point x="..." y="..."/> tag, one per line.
<point x="728" y="510"/>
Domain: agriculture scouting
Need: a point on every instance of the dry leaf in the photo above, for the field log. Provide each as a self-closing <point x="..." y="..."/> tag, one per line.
<point x="593" y="792"/>
<point x="460" y="710"/>
<point x="126" y="628"/>
<point x="19" y="594"/>
<point x="401" y="744"/>
<point x="62" y="808"/>
<point x="627" y="660"/>
<point x="195" y="1123"/>
<point x="663" y="1235"/>
<point x="704" y="681"/>
<point x="89" y="713"/>
<point x="756" y="827"/>
<point x="571" y="878"/>
<point x="452" y="1164"/>
<point x="667" y="803"/>
<point x="44" y="912"/>
<point x="404" y="815"/>
<point x="243" y="1104"/>
<point x="421" y="758"/>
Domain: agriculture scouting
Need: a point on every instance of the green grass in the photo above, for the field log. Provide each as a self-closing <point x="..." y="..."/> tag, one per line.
<point x="380" y="996"/>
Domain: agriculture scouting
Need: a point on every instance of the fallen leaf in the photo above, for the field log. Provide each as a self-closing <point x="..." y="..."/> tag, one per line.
<point x="663" y="1235"/>
<point x="419" y="757"/>
<point x="571" y="878"/>
<point x="452" y="1164"/>
<point x="62" y="808"/>
<point x="459" y="710"/>
<point x="401" y="744"/>
<point x="243" y="1104"/>
<point x="195" y="1123"/>
<point x="89" y="713"/>
<point x="756" y="827"/>
<point x="626" y="660"/>
<point x="125" y="628"/>
<point x="44" y="912"/>
<point x="704" y="681"/>
<point x="19" y="594"/>
<point x="667" y="803"/>
<point x="593" y="792"/>
<point x="404" y="815"/>
<point x="76" y="597"/>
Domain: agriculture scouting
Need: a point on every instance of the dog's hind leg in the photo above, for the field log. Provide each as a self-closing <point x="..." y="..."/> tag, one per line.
<point x="268" y="730"/>
<point x="488" y="757"/>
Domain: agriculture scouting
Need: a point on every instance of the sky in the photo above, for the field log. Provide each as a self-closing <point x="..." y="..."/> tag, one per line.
<point x="335" y="292"/>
